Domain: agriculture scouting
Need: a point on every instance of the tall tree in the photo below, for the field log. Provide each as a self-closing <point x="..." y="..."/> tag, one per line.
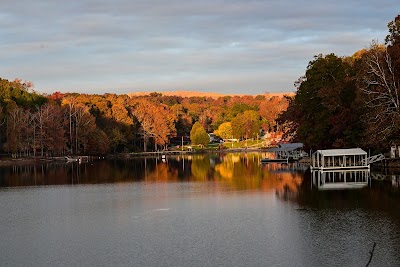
<point x="246" y="124"/>
<point x="198" y="135"/>
<point x="84" y="126"/>
<point x="14" y="128"/>
<point x="70" y="102"/>
<point x="55" y="131"/>
<point x="156" y="122"/>
<point x="224" y="130"/>
<point x="269" y="109"/>
<point x="42" y="117"/>
<point x="382" y="88"/>
<point x="322" y="114"/>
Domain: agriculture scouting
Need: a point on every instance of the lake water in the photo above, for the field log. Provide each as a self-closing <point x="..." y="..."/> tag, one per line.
<point x="198" y="210"/>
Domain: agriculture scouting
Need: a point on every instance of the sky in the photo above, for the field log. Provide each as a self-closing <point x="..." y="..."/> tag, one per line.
<point x="230" y="47"/>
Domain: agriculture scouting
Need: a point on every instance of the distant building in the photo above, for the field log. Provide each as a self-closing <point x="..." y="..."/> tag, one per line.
<point x="214" y="138"/>
<point x="273" y="138"/>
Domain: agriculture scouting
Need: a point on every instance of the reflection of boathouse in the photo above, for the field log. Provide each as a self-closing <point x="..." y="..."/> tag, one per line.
<point x="339" y="159"/>
<point x="341" y="179"/>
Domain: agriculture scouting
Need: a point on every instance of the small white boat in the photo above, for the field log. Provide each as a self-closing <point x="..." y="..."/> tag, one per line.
<point x="69" y="159"/>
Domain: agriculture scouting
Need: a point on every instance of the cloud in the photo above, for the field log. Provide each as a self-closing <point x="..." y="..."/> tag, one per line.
<point x="204" y="45"/>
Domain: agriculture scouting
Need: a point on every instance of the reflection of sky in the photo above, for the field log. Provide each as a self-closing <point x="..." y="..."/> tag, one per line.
<point x="123" y="46"/>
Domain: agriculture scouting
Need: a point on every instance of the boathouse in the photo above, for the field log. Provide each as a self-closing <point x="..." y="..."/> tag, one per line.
<point x="339" y="159"/>
<point x="293" y="151"/>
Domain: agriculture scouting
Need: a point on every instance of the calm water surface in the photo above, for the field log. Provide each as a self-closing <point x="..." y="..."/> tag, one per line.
<point x="200" y="210"/>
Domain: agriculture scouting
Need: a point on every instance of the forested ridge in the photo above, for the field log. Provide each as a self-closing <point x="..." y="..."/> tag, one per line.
<point x="63" y="124"/>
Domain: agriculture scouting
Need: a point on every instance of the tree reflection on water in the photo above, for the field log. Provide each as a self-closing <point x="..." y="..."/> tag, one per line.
<point x="233" y="171"/>
<point x="222" y="172"/>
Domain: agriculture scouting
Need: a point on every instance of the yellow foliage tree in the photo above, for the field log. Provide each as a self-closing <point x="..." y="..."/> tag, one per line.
<point x="224" y="130"/>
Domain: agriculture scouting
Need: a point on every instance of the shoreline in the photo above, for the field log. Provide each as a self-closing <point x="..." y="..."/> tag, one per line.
<point x="25" y="161"/>
<point x="37" y="161"/>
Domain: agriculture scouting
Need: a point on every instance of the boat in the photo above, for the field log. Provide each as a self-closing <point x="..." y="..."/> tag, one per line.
<point x="279" y="160"/>
<point x="69" y="159"/>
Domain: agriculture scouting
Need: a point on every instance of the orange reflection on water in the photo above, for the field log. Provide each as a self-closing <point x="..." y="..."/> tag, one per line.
<point x="236" y="171"/>
<point x="281" y="177"/>
<point x="226" y="171"/>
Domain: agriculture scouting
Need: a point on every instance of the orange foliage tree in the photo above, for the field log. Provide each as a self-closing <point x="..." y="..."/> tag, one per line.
<point x="155" y="121"/>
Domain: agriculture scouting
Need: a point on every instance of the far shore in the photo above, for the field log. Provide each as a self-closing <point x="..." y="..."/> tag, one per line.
<point x="19" y="161"/>
<point x="38" y="160"/>
<point x="388" y="163"/>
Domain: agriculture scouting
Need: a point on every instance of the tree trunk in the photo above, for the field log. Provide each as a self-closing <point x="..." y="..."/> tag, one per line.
<point x="144" y="143"/>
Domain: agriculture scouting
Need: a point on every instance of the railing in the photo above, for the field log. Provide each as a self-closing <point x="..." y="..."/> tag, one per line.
<point x="373" y="159"/>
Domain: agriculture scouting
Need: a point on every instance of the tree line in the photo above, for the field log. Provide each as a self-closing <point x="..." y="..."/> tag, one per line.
<point x="350" y="101"/>
<point x="57" y="124"/>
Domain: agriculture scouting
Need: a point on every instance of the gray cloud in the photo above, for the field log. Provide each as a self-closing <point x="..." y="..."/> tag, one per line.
<point x="211" y="45"/>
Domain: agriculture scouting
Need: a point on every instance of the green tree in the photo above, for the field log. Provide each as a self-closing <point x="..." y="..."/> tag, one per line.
<point x="323" y="113"/>
<point x="198" y="135"/>
<point x="195" y="126"/>
<point x="246" y="124"/>
<point x="236" y="109"/>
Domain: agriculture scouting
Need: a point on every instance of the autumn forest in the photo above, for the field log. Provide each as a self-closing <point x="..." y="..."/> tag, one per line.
<point x="62" y="124"/>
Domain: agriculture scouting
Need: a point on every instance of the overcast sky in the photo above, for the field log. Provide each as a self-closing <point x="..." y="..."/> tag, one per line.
<point x="121" y="46"/>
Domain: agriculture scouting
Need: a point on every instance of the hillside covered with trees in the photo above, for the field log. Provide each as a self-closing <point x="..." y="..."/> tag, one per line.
<point x="61" y="124"/>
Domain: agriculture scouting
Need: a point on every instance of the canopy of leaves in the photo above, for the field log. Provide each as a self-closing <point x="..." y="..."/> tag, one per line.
<point x="198" y="135"/>
<point x="224" y="130"/>
<point x="322" y="114"/>
<point x="21" y="93"/>
<point x="246" y="124"/>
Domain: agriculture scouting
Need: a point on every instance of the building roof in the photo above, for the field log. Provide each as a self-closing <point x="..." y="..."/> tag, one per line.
<point x="286" y="147"/>
<point x="342" y="152"/>
<point x="291" y="145"/>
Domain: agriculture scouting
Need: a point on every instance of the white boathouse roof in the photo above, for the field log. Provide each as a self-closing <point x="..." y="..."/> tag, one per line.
<point x="341" y="152"/>
<point x="286" y="147"/>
